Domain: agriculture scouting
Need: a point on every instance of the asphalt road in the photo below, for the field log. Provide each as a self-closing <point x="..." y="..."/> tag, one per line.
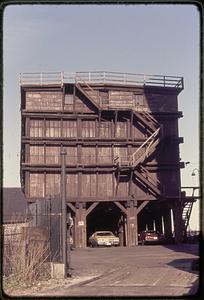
<point x="137" y="271"/>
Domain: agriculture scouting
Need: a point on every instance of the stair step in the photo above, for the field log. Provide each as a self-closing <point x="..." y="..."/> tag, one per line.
<point x="88" y="96"/>
<point x="151" y="126"/>
<point x="147" y="183"/>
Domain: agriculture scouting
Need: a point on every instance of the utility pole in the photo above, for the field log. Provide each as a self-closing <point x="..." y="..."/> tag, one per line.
<point x="64" y="210"/>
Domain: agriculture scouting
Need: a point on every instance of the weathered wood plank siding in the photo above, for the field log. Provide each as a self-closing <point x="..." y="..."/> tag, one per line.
<point x="44" y="101"/>
<point x="94" y="140"/>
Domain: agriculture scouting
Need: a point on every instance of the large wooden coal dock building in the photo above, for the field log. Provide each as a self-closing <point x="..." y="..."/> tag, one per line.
<point x="120" y="132"/>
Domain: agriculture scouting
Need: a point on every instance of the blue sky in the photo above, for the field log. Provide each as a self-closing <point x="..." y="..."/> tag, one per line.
<point x="153" y="39"/>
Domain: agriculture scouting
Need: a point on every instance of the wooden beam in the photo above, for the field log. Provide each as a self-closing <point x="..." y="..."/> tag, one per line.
<point x="117" y="183"/>
<point x="71" y="206"/>
<point x="131" y="125"/>
<point x="116" y="118"/>
<point x="118" y="204"/>
<point x="142" y="206"/>
<point x="67" y="115"/>
<point x="91" y="208"/>
<point x="74" y="140"/>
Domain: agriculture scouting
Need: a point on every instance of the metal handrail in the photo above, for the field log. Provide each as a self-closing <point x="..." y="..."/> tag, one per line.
<point x="101" y="77"/>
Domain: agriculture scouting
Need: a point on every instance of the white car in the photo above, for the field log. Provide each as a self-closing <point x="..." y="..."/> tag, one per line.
<point x="103" y="238"/>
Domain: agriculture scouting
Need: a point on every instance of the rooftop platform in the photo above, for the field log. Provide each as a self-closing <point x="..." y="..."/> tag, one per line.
<point x="101" y="77"/>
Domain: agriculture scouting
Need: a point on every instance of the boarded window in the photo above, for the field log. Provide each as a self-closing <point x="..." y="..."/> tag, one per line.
<point x="104" y="155"/>
<point x="88" y="155"/>
<point x="37" y="187"/>
<point x="122" y="187"/>
<point x="120" y="151"/>
<point x="120" y="99"/>
<point x="104" y="97"/>
<point x="68" y="102"/>
<point x="71" y="157"/>
<point x="105" y="129"/>
<point x="88" y="185"/>
<point x="69" y="99"/>
<point x="88" y="128"/>
<point x="53" y="128"/>
<point x="121" y="129"/>
<point x="36" y="128"/>
<point x="52" y="184"/>
<point x="72" y="185"/>
<point x="36" y="154"/>
<point x="52" y="155"/>
<point x="69" y="128"/>
<point x="37" y="101"/>
<point x="105" y="185"/>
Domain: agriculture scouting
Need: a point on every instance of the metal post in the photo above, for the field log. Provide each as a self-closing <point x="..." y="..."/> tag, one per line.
<point x="64" y="210"/>
<point x="68" y="246"/>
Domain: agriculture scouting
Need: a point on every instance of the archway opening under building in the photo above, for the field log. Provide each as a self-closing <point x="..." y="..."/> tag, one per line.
<point x="106" y="216"/>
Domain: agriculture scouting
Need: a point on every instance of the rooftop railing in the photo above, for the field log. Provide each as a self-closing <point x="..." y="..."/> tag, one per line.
<point x="100" y="77"/>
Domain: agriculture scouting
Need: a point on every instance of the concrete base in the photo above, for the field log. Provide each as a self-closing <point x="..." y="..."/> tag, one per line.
<point x="57" y="270"/>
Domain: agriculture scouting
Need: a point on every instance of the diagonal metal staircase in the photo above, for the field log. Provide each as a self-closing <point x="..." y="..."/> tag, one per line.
<point x="187" y="209"/>
<point x="87" y="91"/>
<point x="135" y="160"/>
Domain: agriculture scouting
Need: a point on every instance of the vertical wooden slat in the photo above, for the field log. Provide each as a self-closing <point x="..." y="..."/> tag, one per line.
<point x="27" y="129"/>
<point x="74" y="99"/>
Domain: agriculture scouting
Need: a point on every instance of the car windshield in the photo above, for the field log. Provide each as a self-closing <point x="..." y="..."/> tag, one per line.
<point x="105" y="233"/>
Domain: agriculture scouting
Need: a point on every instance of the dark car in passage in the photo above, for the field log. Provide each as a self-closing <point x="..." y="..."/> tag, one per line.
<point x="151" y="237"/>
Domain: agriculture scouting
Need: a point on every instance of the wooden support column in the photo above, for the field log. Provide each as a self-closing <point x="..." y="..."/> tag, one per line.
<point x="178" y="222"/>
<point x="158" y="223"/>
<point x="80" y="225"/>
<point x="132" y="226"/>
<point x="121" y="224"/>
<point x="167" y="223"/>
